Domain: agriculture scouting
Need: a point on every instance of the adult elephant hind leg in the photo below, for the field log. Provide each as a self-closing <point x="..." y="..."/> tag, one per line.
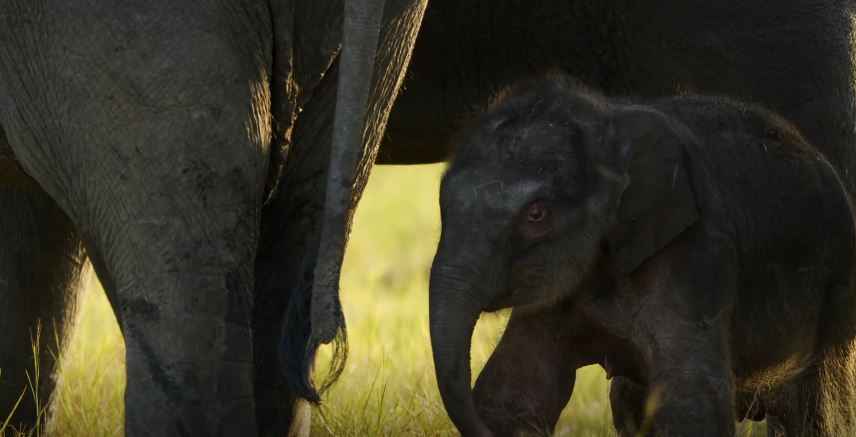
<point x="177" y="255"/>
<point x="41" y="266"/>
<point x="177" y="249"/>
<point x="292" y="219"/>
<point x="291" y="224"/>
<point x="163" y="172"/>
<point x="288" y="232"/>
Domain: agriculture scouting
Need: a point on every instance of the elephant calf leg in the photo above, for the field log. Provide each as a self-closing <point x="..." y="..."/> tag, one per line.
<point x="691" y="402"/>
<point x="41" y="261"/>
<point x="628" y="401"/>
<point x="528" y="379"/>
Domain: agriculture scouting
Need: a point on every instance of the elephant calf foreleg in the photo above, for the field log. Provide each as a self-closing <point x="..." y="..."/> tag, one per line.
<point x="528" y="379"/>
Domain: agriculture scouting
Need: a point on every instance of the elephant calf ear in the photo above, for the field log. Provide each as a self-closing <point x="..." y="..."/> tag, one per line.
<point x="658" y="202"/>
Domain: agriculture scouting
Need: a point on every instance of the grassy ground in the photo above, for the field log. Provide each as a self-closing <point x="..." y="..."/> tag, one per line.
<point x="388" y="387"/>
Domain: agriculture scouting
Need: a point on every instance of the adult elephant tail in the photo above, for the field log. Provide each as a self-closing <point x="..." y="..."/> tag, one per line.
<point x="363" y="100"/>
<point x="356" y="67"/>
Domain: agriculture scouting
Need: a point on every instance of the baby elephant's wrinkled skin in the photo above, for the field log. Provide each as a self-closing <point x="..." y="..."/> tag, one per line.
<point x="697" y="248"/>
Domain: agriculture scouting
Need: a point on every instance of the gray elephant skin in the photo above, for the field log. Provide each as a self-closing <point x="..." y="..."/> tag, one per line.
<point x="697" y="248"/>
<point x="184" y="149"/>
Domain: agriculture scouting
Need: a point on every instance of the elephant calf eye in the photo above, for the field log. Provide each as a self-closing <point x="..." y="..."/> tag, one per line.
<point x="538" y="212"/>
<point x="536" y="219"/>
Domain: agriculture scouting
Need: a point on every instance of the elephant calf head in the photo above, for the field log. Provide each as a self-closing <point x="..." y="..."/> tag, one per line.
<point x="545" y="184"/>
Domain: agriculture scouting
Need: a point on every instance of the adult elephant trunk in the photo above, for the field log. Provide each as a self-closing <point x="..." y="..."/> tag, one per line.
<point x="454" y="309"/>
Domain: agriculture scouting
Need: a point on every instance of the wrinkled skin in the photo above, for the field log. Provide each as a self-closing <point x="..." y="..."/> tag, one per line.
<point x="697" y="248"/>
<point x="133" y="114"/>
<point x="182" y="149"/>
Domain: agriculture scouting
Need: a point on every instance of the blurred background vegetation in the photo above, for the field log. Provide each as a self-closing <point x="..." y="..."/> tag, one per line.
<point x="388" y="387"/>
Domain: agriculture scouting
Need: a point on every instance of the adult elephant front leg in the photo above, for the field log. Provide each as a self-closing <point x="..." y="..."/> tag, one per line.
<point x="161" y="166"/>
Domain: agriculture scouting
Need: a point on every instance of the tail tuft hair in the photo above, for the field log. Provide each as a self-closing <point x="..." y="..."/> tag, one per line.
<point x="298" y="349"/>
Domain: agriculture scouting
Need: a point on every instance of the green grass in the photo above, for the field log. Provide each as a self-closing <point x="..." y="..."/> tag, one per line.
<point x="388" y="386"/>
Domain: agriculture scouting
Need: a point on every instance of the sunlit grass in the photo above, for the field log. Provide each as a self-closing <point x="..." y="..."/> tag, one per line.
<point x="385" y="294"/>
<point x="388" y="387"/>
<point x="90" y="395"/>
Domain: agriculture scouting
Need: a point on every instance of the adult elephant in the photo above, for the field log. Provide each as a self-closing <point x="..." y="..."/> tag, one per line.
<point x="145" y="127"/>
<point x="183" y="148"/>
<point x="794" y="57"/>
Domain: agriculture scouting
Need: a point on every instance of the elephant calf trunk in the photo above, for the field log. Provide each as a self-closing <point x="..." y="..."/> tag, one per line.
<point x="452" y="323"/>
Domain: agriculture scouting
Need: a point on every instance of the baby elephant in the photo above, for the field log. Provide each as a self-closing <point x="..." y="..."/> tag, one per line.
<point x="697" y="248"/>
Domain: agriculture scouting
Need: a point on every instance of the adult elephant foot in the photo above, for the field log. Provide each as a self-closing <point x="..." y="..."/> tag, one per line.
<point x="41" y="266"/>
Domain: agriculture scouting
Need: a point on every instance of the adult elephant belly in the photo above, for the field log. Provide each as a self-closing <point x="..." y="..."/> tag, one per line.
<point x="794" y="58"/>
